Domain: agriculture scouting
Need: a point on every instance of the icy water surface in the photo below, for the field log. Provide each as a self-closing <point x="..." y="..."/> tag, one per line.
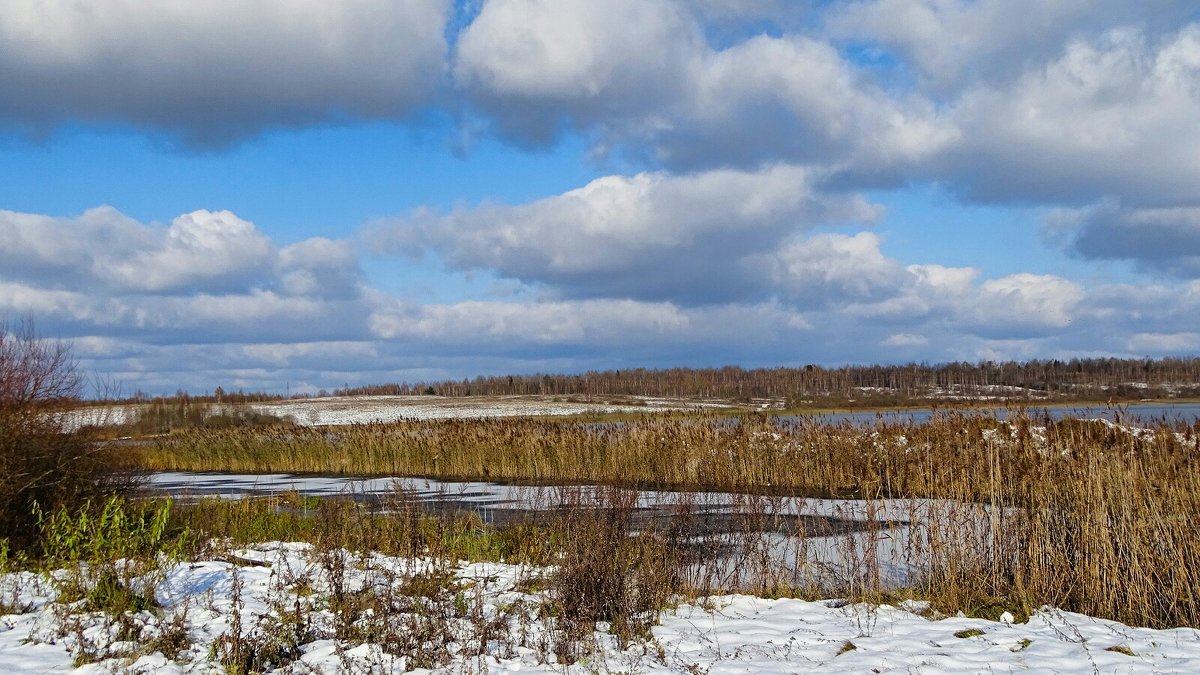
<point x="1134" y="413"/>
<point x="807" y="538"/>
<point x="502" y="502"/>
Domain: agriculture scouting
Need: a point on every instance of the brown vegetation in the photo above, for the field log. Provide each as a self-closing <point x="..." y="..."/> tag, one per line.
<point x="41" y="464"/>
<point x="1082" y="515"/>
<point x="1076" y="379"/>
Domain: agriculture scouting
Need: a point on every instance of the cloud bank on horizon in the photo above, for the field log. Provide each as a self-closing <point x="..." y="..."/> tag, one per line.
<point x="758" y="174"/>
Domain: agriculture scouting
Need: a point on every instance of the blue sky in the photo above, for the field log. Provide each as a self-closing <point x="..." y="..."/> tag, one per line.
<point x="269" y="195"/>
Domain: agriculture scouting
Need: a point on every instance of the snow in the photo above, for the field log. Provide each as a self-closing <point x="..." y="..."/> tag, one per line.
<point x="337" y="410"/>
<point x="366" y="409"/>
<point x="725" y="634"/>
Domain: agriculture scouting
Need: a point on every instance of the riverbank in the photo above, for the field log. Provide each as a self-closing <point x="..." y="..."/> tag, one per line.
<point x="275" y="607"/>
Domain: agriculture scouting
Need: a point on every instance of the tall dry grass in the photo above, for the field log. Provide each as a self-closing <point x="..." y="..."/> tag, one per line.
<point x="1082" y="515"/>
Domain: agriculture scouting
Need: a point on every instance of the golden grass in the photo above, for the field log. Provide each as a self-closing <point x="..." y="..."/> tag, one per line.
<point x="1081" y="515"/>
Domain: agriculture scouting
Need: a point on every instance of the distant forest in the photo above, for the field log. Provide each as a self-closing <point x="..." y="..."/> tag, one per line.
<point x="1077" y="379"/>
<point x="1081" y="379"/>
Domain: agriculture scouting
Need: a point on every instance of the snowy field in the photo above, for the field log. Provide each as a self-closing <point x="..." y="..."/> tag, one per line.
<point x="336" y="410"/>
<point x="364" y="409"/>
<point x="276" y="599"/>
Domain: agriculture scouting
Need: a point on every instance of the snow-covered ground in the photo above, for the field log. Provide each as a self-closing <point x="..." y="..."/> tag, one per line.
<point x="335" y="410"/>
<point x="489" y="620"/>
<point x="364" y="409"/>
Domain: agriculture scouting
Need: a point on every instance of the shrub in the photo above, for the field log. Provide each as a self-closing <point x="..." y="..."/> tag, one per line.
<point x="42" y="460"/>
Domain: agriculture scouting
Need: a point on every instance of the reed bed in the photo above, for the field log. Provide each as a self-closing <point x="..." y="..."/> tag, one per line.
<point x="1083" y="515"/>
<point x="957" y="456"/>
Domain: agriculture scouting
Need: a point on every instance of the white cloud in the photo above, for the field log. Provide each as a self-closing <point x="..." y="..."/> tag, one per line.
<point x="650" y="236"/>
<point x="747" y="139"/>
<point x="1014" y="306"/>
<point x="568" y="49"/>
<point x="1113" y="116"/>
<point x="207" y="276"/>
<point x="641" y="74"/>
<point x="938" y="36"/>
<point x="1124" y="309"/>
<point x="1165" y="343"/>
<point x="1027" y="301"/>
<point x="319" y="267"/>
<point x="834" y="268"/>
<point x="616" y="330"/>
<point x="532" y="62"/>
<point x="18" y="298"/>
<point x="63" y="251"/>
<point x="905" y="340"/>
<point x="953" y="42"/>
<point x="201" y="249"/>
<point x="216" y="70"/>
<point x="587" y="322"/>
<point x="796" y="99"/>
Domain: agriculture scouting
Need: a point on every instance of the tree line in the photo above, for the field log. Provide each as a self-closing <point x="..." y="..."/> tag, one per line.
<point x="1100" y="378"/>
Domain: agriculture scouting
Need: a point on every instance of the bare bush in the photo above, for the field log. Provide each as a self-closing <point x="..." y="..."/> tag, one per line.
<point x="42" y="460"/>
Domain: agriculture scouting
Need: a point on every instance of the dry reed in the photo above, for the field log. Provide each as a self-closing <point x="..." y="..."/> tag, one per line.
<point x="1083" y="515"/>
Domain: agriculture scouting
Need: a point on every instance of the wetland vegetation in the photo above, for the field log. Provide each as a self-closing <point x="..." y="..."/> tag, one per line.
<point x="987" y="516"/>
<point x="1085" y="515"/>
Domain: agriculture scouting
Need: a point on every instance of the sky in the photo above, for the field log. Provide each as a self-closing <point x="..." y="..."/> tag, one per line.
<point x="293" y="195"/>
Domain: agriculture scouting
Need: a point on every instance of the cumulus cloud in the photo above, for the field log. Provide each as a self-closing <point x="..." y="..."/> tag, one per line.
<point x="953" y="43"/>
<point x="829" y="297"/>
<point x="201" y="251"/>
<point x="1112" y="116"/>
<point x="621" y="329"/>
<point x="319" y="267"/>
<point x="1165" y="343"/>
<point x="1006" y="101"/>
<point x="834" y="268"/>
<point x="810" y="105"/>
<point x="691" y="243"/>
<point x="735" y="237"/>
<point x="61" y="250"/>
<point x="640" y="72"/>
<point x="860" y="281"/>
<point x="532" y="64"/>
<point x="218" y="70"/>
<point x="652" y="236"/>
<point x="208" y="275"/>
<point x="1123" y="309"/>
<point x="1025" y="303"/>
<point x="582" y="323"/>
